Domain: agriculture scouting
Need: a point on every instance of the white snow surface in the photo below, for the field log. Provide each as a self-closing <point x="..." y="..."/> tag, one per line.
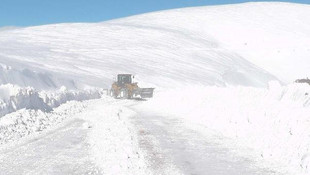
<point x="90" y="137"/>
<point x="273" y="121"/>
<point x="165" y="49"/>
<point x="207" y="45"/>
<point x="208" y="65"/>
<point x="13" y="98"/>
<point x="40" y="80"/>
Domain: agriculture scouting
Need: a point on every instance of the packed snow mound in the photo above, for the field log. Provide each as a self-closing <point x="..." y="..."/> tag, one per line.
<point x="165" y="49"/>
<point x="13" y="98"/>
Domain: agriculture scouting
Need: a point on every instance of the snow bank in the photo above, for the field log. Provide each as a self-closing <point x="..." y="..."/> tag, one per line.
<point x="274" y="121"/>
<point x="55" y="98"/>
<point x="13" y="98"/>
<point x="25" y="122"/>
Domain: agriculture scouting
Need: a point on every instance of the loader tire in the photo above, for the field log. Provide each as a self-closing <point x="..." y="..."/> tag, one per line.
<point x="112" y="94"/>
<point x="123" y="94"/>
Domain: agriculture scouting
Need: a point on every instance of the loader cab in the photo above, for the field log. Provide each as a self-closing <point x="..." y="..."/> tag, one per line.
<point x="123" y="79"/>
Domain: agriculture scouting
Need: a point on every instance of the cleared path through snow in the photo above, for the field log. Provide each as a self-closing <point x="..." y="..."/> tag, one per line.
<point x="95" y="137"/>
<point x="101" y="139"/>
<point x="174" y="148"/>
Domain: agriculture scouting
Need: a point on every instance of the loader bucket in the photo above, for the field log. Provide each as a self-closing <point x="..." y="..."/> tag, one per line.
<point x="145" y="92"/>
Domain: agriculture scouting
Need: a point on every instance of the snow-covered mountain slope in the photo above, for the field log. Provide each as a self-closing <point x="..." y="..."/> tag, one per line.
<point x="275" y="36"/>
<point x="207" y="45"/>
<point x="26" y="77"/>
<point x="244" y="44"/>
<point x="164" y="48"/>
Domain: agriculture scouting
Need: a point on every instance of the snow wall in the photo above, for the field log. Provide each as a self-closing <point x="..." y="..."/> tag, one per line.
<point x="13" y="98"/>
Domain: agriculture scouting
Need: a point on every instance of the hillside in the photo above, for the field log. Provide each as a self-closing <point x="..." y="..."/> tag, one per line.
<point x="228" y="69"/>
<point x="206" y="45"/>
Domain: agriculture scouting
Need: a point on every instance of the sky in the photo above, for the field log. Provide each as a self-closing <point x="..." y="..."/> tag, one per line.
<point x="40" y="12"/>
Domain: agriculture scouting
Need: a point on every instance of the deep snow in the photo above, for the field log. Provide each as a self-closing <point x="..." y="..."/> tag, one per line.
<point x="13" y="98"/>
<point x="204" y="45"/>
<point x="211" y="65"/>
<point x="162" y="50"/>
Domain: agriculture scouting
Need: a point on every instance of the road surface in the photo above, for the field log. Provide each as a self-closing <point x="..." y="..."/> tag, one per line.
<point x="169" y="145"/>
<point x="172" y="145"/>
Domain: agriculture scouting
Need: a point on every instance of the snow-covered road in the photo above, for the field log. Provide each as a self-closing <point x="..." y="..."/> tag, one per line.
<point x="175" y="147"/>
<point x="116" y="137"/>
<point x="236" y="82"/>
<point x="95" y="140"/>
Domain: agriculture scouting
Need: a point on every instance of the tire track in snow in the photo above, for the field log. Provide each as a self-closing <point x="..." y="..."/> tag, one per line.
<point x="174" y="148"/>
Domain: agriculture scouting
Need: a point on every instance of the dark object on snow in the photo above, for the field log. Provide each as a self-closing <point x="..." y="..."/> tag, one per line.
<point x="126" y="89"/>
<point x="307" y="80"/>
